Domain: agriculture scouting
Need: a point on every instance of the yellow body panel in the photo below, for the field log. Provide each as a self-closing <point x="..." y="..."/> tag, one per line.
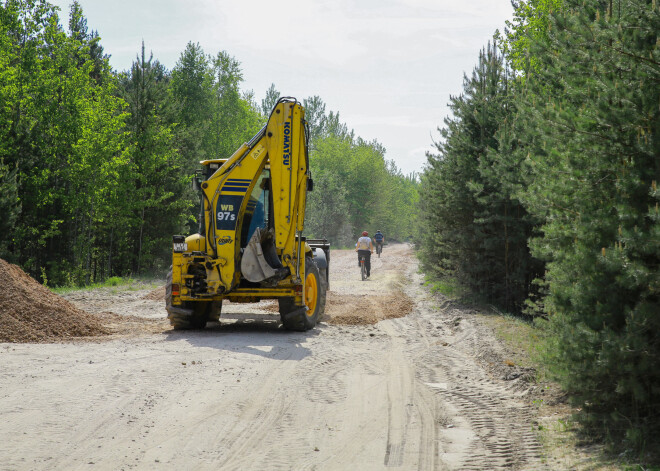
<point x="280" y="149"/>
<point x="196" y="243"/>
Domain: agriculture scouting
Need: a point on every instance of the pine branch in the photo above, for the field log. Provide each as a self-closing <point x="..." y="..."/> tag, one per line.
<point x="634" y="56"/>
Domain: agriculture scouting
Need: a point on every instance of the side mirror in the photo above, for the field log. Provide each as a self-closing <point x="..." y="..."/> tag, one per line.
<point x="310" y="184"/>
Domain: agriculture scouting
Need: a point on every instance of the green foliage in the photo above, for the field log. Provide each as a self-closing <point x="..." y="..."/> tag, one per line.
<point x="114" y="281"/>
<point x="11" y="204"/>
<point x="595" y="107"/>
<point x="315" y="116"/>
<point x="530" y="24"/>
<point x="157" y="206"/>
<point x="191" y="89"/>
<point x="235" y="119"/>
<point x="328" y="210"/>
<point x="565" y="156"/>
<point x="210" y="116"/>
<point x="357" y="188"/>
<point x="61" y="129"/>
<point x="270" y="100"/>
<point x="474" y="227"/>
<point x="95" y="166"/>
<point x="447" y="286"/>
<point x="526" y="340"/>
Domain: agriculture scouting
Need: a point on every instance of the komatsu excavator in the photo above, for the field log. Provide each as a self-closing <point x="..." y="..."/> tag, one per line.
<point x="250" y="244"/>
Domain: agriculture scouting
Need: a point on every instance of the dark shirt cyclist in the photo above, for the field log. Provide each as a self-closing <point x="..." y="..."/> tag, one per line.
<point x="379" y="238"/>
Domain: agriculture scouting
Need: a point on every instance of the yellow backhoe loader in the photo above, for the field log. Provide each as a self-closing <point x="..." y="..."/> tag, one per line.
<point x="250" y="244"/>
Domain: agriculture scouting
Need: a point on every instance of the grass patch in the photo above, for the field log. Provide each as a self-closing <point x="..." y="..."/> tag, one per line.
<point x="447" y="286"/>
<point x="524" y="339"/>
<point x="566" y="447"/>
<point x="115" y="283"/>
<point x="566" y="443"/>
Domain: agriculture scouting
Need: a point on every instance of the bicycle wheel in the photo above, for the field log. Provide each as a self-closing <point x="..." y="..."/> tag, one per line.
<point x="363" y="269"/>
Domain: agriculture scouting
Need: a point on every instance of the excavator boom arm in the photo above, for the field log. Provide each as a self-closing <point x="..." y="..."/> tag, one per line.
<point x="279" y="149"/>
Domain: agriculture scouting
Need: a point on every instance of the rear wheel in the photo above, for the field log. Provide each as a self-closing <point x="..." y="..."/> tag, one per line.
<point x="197" y="320"/>
<point x="201" y="310"/>
<point x="324" y="279"/>
<point x="363" y="269"/>
<point x="200" y="316"/>
<point x="216" y="310"/>
<point x="314" y="297"/>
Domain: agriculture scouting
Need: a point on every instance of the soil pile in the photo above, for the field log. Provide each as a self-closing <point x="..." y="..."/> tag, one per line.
<point x="366" y="309"/>
<point x="31" y="313"/>
<point x="156" y="295"/>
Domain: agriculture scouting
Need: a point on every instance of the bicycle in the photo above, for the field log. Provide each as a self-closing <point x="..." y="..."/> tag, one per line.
<point x="379" y="248"/>
<point x="363" y="268"/>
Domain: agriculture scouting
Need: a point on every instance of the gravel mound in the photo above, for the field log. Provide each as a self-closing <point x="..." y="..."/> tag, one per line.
<point x="366" y="309"/>
<point x="156" y="295"/>
<point x="31" y="313"/>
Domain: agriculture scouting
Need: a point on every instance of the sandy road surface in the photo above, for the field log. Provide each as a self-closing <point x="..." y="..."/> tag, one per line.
<point x="428" y="391"/>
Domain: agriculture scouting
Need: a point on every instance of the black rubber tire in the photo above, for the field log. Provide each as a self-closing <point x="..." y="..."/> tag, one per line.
<point x="168" y="289"/>
<point x="201" y="313"/>
<point x="201" y="310"/>
<point x="216" y="310"/>
<point x="363" y="270"/>
<point x="324" y="280"/>
<point x="305" y="321"/>
<point x="198" y="319"/>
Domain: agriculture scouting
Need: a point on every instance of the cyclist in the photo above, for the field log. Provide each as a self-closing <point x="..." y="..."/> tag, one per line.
<point x="365" y="248"/>
<point x="380" y="239"/>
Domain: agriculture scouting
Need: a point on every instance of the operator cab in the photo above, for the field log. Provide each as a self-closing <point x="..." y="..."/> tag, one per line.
<point x="258" y="210"/>
<point x="211" y="166"/>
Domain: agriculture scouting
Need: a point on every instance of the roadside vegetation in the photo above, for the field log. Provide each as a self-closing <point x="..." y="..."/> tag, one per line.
<point x="114" y="283"/>
<point x="567" y="443"/>
<point x="96" y="164"/>
<point x="541" y="199"/>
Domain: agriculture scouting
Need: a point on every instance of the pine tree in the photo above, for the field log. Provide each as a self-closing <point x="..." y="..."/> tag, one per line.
<point x="475" y="228"/>
<point x="158" y="195"/>
<point x="235" y="118"/>
<point x="593" y="104"/>
<point x="270" y="100"/>
<point x="89" y="43"/>
<point x="10" y="202"/>
<point x="315" y="116"/>
<point x="191" y="88"/>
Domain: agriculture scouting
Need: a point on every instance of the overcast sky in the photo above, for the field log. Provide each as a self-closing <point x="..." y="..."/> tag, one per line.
<point x="387" y="66"/>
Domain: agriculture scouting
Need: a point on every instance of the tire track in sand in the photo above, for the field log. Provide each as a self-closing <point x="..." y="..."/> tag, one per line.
<point x="489" y="424"/>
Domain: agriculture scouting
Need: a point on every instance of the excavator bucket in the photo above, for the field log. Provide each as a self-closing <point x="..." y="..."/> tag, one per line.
<point x="254" y="266"/>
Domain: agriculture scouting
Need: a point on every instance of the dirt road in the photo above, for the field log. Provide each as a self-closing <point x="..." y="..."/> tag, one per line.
<point x="365" y="390"/>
